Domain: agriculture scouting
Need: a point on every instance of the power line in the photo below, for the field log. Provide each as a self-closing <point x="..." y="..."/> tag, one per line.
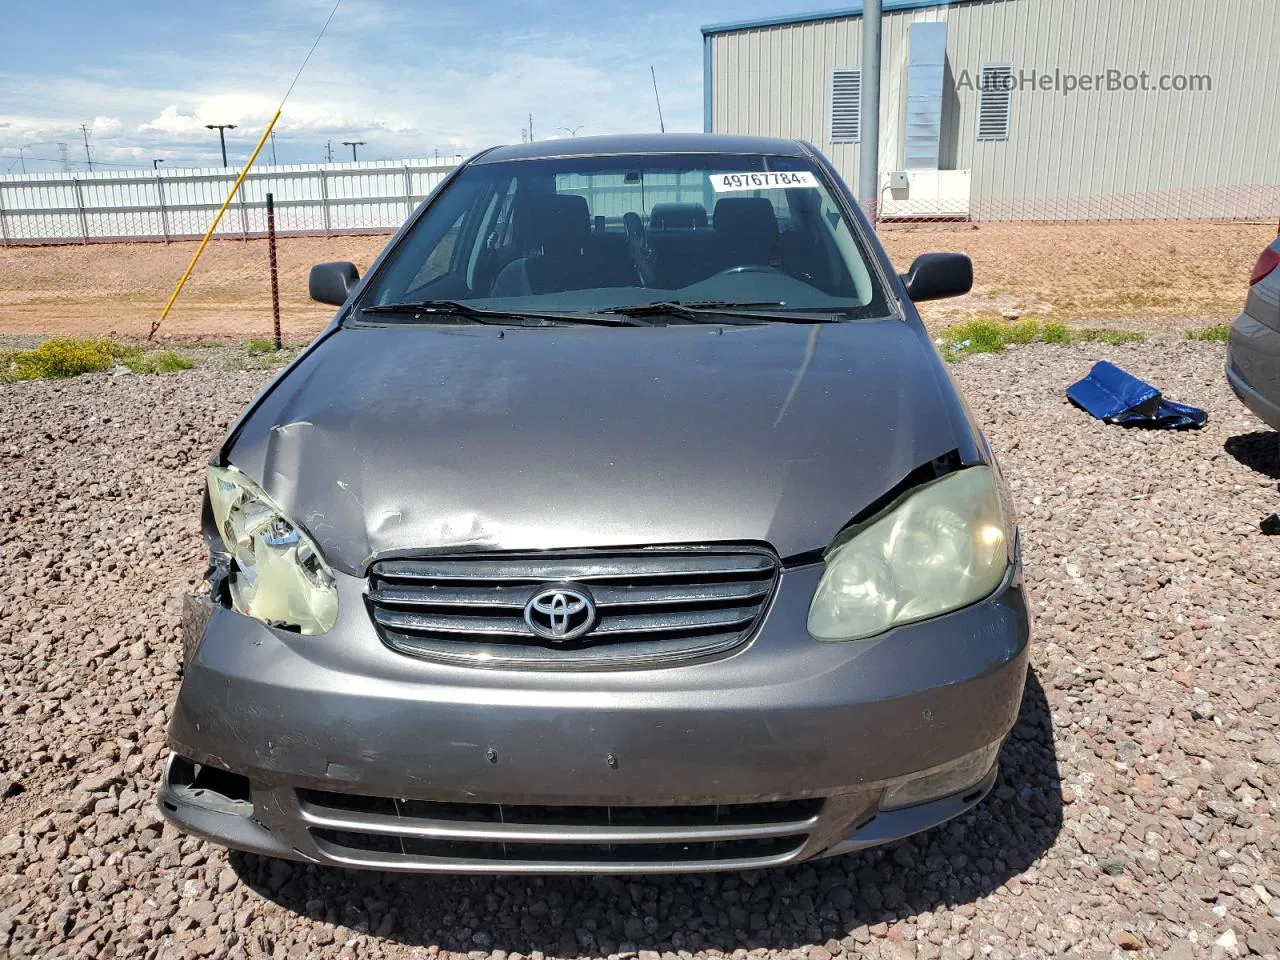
<point x="80" y="163"/>
<point x="40" y="96"/>
<point x="39" y="112"/>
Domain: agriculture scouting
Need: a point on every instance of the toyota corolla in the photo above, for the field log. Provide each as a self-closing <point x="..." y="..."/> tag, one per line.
<point x="624" y="519"/>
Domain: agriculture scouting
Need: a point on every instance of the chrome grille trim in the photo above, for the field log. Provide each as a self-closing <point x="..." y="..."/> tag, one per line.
<point x="399" y="832"/>
<point x="655" y="606"/>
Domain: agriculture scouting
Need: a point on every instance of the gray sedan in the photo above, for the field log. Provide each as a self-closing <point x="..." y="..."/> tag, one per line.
<point x="623" y="520"/>
<point x="1253" y="351"/>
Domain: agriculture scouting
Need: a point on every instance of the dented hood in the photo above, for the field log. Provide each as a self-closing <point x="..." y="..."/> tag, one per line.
<point x="410" y="438"/>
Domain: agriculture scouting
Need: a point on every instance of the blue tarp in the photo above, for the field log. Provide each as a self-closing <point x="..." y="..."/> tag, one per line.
<point x="1115" y="396"/>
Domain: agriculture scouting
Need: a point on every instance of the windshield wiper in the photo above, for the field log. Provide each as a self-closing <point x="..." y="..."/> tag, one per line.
<point x="456" y="308"/>
<point x="707" y="311"/>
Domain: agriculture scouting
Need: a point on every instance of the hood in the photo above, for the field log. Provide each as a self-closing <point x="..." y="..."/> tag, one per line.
<point x="399" y="439"/>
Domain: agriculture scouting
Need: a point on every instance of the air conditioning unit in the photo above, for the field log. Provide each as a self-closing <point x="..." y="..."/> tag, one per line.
<point x="925" y="195"/>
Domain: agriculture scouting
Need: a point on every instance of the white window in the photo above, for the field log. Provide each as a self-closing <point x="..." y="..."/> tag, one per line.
<point x="846" y="105"/>
<point x="995" y="98"/>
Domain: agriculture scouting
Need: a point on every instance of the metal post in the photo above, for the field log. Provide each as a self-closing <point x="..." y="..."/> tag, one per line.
<point x="408" y="191"/>
<point x="324" y="202"/>
<point x="164" y="213"/>
<point x="275" y="278"/>
<point x="244" y="217"/>
<point x="869" y="166"/>
<point x="84" y="220"/>
<point x="4" y="227"/>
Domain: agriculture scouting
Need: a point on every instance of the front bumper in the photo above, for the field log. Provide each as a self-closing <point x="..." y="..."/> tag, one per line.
<point x="1253" y="368"/>
<point x="814" y="732"/>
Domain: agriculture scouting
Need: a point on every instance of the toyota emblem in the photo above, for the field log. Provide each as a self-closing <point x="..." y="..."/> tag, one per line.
<point x="560" y="613"/>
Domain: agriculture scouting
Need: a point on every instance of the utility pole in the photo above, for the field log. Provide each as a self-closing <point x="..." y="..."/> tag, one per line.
<point x="328" y="151"/>
<point x="155" y="165"/>
<point x="222" y="129"/>
<point x="353" y="144"/>
<point x="88" y="159"/>
<point x="21" y="159"/>
<point x="273" y="148"/>
<point x="572" y="131"/>
<point x="531" y="128"/>
<point x="62" y="156"/>
<point x="869" y="164"/>
<point x="662" y="127"/>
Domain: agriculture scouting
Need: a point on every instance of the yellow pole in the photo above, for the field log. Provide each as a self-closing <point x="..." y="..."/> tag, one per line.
<point x="214" y="226"/>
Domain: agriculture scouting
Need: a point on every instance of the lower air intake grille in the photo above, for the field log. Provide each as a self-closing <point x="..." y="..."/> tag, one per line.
<point x="616" y="609"/>
<point x="405" y="833"/>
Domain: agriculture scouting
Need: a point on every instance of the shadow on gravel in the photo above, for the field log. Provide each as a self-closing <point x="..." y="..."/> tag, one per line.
<point x="814" y="902"/>
<point x="1258" y="451"/>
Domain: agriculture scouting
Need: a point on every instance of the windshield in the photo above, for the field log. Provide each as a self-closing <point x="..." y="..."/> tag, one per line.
<point x="581" y="234"/>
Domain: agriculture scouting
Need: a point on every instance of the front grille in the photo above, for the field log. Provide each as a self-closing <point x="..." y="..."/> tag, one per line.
<point x="405" y="833"/>
<point x="654" y="606"/>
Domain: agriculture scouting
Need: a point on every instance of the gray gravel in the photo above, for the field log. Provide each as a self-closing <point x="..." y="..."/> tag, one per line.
<point x="1136" y="810"/>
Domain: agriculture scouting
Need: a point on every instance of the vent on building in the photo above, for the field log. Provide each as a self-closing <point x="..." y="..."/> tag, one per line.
<point x="995" y="97"/>
<point x="846" y="105"/>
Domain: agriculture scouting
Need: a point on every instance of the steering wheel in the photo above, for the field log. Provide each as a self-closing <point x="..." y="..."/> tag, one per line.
<point x="638" y="246"/>
<point x="763" y="268"/>
<point x="748" y="268"/>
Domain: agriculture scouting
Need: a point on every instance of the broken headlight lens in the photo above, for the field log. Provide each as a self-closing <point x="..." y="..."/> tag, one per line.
<point x="277" y="574"/>
<point x="941" y="547"/>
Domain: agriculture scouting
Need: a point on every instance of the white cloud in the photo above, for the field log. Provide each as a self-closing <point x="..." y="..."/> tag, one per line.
<point x="457" y="79"/>
<point x="106" y="126"/>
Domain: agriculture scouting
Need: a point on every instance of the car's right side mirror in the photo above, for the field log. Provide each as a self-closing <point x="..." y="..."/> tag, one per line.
<point x="936" y="275"/>
<point x="332" y="282"/>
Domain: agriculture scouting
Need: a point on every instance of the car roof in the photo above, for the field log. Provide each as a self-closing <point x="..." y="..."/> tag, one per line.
<point x="640" y="143"/>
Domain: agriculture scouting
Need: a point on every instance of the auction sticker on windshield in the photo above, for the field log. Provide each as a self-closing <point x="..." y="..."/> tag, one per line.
<point x="786" y="179"/>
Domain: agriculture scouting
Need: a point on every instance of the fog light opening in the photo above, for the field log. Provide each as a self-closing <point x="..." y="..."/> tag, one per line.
<point x="943" y="780"/>
<point x="204" y="785"/>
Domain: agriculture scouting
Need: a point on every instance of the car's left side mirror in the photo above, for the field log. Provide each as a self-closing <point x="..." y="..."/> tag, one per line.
<point x="332" y="282"/>
<point x="936" y="275"/>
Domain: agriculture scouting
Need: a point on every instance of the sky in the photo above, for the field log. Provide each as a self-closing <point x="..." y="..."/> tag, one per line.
<point x="409" y="78"/>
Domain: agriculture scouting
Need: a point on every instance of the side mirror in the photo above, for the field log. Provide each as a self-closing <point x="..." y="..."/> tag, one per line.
<point x="936" y="275"/>
<point x="332" y="282"/>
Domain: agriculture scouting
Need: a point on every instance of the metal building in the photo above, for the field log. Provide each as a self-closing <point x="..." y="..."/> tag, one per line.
<point x="1026" y="109"/>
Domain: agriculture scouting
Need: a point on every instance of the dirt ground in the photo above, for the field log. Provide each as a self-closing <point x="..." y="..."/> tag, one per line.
<point x="1097" y="272"/>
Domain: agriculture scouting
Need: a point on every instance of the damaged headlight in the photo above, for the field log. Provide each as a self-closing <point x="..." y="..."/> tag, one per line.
<point x="277" y="574"/>
<point x="941" y="547"/>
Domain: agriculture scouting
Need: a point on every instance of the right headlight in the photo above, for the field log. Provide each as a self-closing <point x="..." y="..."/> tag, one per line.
<point x="278" y="575"/>
<point x="941" y="547"/>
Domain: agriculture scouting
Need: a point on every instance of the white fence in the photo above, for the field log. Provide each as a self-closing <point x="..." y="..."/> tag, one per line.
<point x="309" y="199"/>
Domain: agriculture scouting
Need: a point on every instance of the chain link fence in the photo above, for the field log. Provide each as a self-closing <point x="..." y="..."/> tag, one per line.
<point x="1245" y="202"/>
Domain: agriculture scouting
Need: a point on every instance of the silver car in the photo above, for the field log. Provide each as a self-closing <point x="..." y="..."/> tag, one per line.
<point x="623" y="520"/>
<point x="1253" y="350"/>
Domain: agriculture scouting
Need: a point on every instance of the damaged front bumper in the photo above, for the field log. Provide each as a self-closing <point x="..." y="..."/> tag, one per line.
<point x="336" y="749"/>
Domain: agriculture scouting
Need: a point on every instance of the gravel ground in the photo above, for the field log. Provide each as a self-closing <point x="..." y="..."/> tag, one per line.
<point x="1136" y="808"/>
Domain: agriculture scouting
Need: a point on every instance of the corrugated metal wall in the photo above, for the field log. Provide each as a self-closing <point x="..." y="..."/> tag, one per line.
<point x="1090" y="155"/>
<point x="775" y="81"/>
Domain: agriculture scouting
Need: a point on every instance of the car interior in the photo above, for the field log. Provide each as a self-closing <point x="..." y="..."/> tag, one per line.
<point x="529" y="240"/>
<point x="557" y="246"/>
